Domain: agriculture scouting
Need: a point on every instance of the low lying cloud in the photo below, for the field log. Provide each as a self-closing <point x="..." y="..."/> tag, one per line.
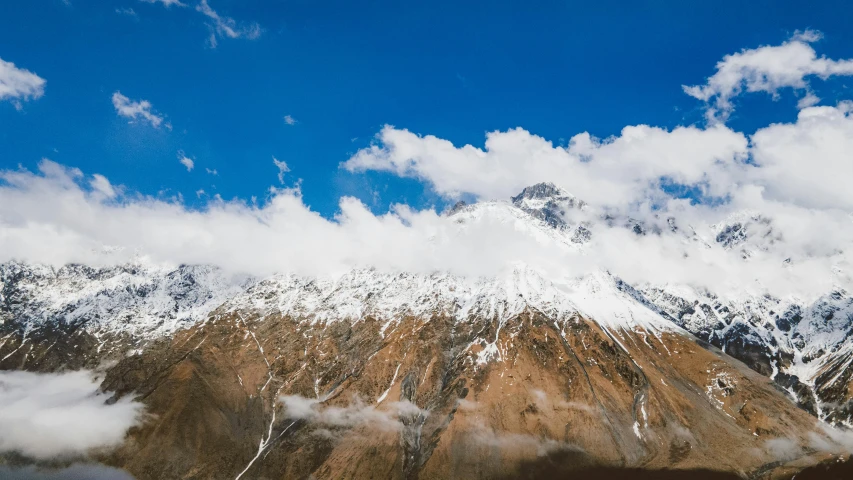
<point x="44" y="416"/>
<point x="833" y="440"/>
<point x="78" y="471"/>
<point x="783" y="448"/>
<point x="357" y="413"/>
<point x="57" y="216"/>
<point x="516" y="442"/>
<point x="544" y="402"/>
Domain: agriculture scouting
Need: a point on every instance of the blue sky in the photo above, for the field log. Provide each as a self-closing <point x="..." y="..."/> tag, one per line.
<point x="342" y="70"/>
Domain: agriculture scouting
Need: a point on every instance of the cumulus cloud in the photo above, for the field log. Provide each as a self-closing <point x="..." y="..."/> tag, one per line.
<point x="222" y="26"/>
<point x="18" y="84"/>
<point x="357" y="413"/>
<point x="186" y="161"/>
<point x="136" y="109"/>
<point x="808" y="162"/>
<point x="613" y="171"/>
<point x="768" y="69"/>
<point x="44" y="416"/>
<point x="289" y="120"/>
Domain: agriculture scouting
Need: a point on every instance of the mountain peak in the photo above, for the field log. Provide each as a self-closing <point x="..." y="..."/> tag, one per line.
<point x="543" y="190"/>
<point x="547" y="202"/>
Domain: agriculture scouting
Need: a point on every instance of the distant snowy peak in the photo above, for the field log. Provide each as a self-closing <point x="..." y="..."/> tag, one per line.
<point x="548" y="203"/>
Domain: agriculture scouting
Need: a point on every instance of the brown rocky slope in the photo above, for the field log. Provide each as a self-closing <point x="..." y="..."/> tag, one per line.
<point x="271" y="396"/>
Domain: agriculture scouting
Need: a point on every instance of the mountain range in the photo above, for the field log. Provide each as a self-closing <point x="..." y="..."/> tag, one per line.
<point x="379" y="374"/>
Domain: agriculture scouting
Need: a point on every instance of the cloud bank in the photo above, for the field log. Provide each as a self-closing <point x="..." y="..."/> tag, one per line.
<point x="44" y="416"/>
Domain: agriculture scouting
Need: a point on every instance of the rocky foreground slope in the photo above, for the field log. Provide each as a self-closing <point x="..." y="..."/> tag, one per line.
<point x="394" y="375"/>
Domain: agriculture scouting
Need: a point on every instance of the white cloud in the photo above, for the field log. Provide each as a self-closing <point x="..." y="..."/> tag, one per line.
<point x="282" y="168"/>
<point x="614" y="171"/>
<point x="768" y="69"/>
<point x="136" y="109"/>
<point x="515" y="442"/>
<point x="186" y="161"/>
<point x="211" y="171"/>
<point x="100" y="184"/>
<point x="356" y="413"/>
<point x="18" y="84"/>
<point x="166" y="3"/>
<point x="809" y="162"/>
<point x="784" y="449"/>
<point x="127" y="12"/>
<point x="222" y="26"/>
<point x="289" y="120"/>
<point x="44" y="416"/>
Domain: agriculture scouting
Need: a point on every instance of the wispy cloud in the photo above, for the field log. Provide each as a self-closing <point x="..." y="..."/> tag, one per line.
<point x="289" y="120"/>
<point x="356" y="413"/>
<point x="223" y="26"/>
<point x="43" y="416"/>
<point x="18" y="84"/>
<point x="127" y="11"/>
<point x="167" y="3"/>
<point x="136" y="109"/>
<point x="282" y="168"/>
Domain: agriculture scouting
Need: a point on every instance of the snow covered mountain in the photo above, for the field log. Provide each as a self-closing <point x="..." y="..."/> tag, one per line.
<point x="519" y="364"/>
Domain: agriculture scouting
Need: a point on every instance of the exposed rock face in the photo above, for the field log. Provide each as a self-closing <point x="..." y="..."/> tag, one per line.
<point x="548" y="203"/>
<point x="805" y="348"/>
<point x="377" y="375"/>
